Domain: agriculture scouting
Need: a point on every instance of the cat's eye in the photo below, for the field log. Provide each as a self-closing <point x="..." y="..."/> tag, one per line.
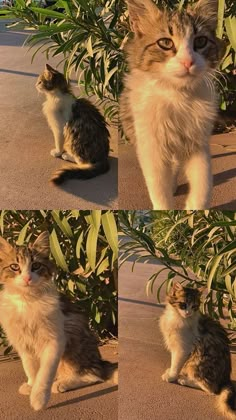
<point x="15" y="267"/>
<point x="200" y="42"/>
<point x="165" y="43"/>
<point x="182" y="305"/>
<point x="35" y="266"/>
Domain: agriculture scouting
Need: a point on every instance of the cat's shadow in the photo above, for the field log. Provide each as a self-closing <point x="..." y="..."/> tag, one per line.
<point x="101" y="190"/>
<point x="95" y="394"/>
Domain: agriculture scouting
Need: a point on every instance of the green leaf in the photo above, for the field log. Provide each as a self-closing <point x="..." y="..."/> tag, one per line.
<point x="228" y="283"/>
<point x="22" y="235"/>
<point x="57" y="252"/>
<point x="63" y="224"/>
<point x="91" y="246"/>
<point x="96" y="218"/>
<point x="230" y="24"/>
<point x="48" y="12"/>
<point x="71" y="285"/>
<point x="110" y="230"/>
<point x="215" y="264"/>
<point x="2" y="221"/>
<point x="103" y="266"/>
<point x="78" y="244"/>
<point x="229" y="247"/>
<point x="97" y="316"/>
<point x="90" y="47"/>
<point x="109" y="75"/>
<point x="220" y="25"/>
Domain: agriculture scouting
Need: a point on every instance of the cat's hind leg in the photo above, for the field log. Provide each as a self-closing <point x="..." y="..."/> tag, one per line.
<point x="64" y="384"/>
<point x="193" y="383"/>
<point x="67" y="156"/>
<point x="68" y="377"/>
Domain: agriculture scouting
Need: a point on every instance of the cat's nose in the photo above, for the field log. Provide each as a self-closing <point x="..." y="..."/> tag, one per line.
<point x="188" y="63"/>
<point x="27" y="278"/>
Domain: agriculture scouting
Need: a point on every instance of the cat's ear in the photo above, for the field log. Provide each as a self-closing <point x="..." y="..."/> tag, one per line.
<point x="177" y="286"/>
<point x="201" y="289"/>
<point x="142" y="14"/>
<point x="49" y="68"/>
<point x="5" y="247"/>
<point x="49" y="71"/>
<point x="208" y="9"/>
<point x="42" y="244"/>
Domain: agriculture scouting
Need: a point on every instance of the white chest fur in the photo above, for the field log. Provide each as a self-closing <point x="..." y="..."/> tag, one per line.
<point x="178" y="331"/>
<point x="58" y="108"/>
<point x="30" y="323"/>
<point x="177" y="121"/>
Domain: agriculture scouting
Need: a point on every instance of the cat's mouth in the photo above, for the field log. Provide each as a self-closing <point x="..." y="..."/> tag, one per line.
<point x="187" y="315"/>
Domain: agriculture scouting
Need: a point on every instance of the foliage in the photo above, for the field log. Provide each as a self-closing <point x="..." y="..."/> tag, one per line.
<point x="197" y="246"/>
<point x="84" y="247"/>
<point x="83" y="35"/>
<point x="89" y="37"/>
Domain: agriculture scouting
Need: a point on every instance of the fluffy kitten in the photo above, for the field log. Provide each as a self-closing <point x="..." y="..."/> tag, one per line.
<point x="168" y="105"/>
<point x="199" y="347"/>
<point x="80" y="132"/>
<point x="57" y="348"/>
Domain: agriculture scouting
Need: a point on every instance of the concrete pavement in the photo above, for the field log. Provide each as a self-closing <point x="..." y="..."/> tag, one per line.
<point x="26" y="140"/>
<point x="94" y="402"/>
<point x="143" y="358"/>
<point x="133" y="192"/>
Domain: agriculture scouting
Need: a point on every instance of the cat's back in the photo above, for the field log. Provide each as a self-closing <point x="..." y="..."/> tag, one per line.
<point x="213" y="334"/>
<point x="85" y="112"/>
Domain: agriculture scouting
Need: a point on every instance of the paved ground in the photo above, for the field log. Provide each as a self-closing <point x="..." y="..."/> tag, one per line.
<point x="132" y="189"/>
<point x="25" y="161"/>
<point x="95" y="402"/>
<point x="143" y="358"/>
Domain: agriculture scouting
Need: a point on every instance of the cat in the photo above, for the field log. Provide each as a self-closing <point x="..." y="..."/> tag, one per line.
<point x="199" y="347"/>
<point x="80" y="131"/>
<point x="58" y="350"/>
<point x="168" y="104"/>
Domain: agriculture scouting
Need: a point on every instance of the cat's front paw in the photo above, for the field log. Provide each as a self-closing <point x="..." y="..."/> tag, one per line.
<point x="167" y="377"/>
<point x="55" y="153"/>
<point x="39" y="399"/>
<point x="58" y="386"/>
<point x="25" y="389"/>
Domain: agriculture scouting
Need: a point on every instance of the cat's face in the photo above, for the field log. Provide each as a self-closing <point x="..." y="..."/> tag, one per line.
<point x="26" y="268"/>
<point x="185" y="300"/>
<point x="52" y="80"/>
<point x="176" y="47"/>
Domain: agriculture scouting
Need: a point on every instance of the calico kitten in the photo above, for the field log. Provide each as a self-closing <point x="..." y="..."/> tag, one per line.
<point x="199" y="347"/>
<point x="57" y="348"/>
<point x="168" y="104"/>
<point x="80" y="131"/>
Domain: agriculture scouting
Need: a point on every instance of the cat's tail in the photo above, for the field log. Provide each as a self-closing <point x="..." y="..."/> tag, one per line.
<point x="226" y="402"/>
<point x="75" y="172"/>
